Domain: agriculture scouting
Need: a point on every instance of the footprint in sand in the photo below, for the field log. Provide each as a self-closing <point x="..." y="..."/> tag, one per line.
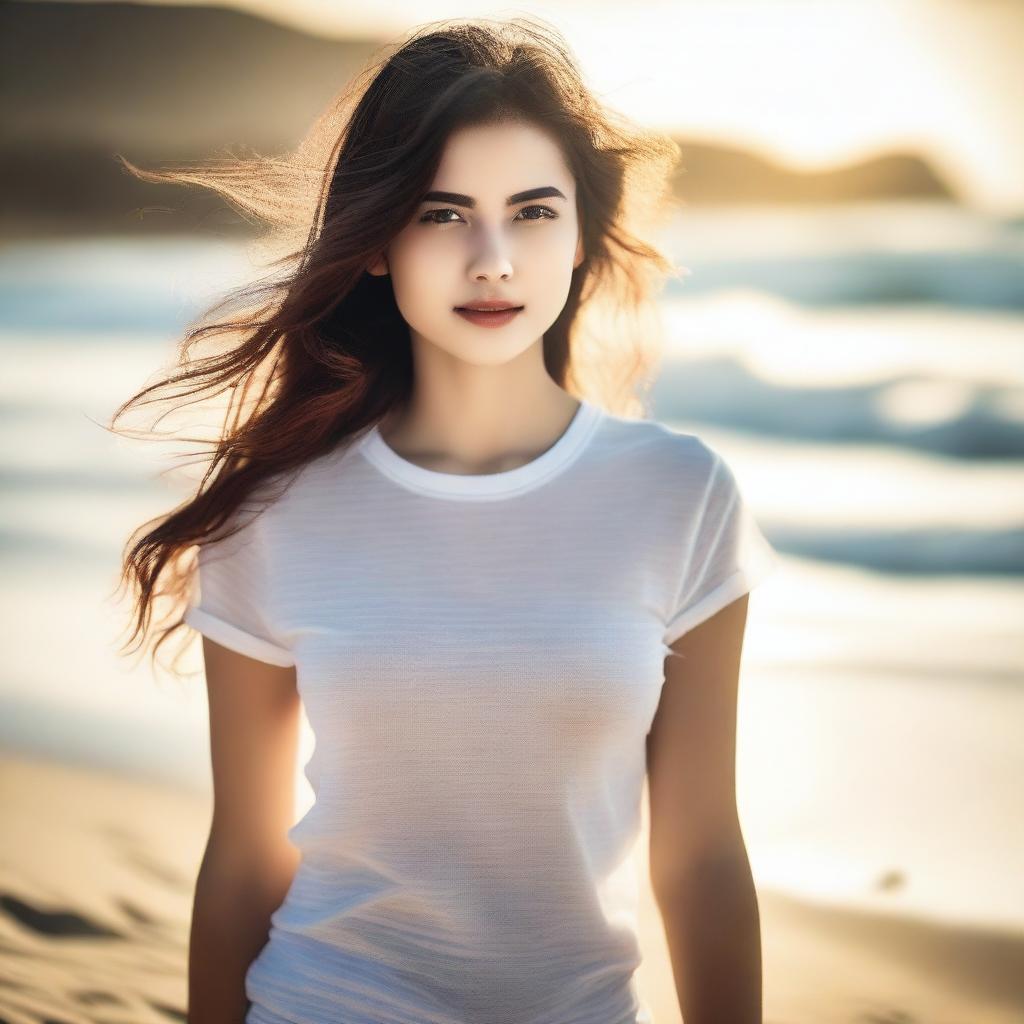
<point x="54" y="922"/>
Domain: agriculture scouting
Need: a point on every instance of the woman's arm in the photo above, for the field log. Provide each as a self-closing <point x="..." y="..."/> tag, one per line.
<point x="700" y="873"/>
<point x="249" y="862"/>
<point x="234" y="898"/>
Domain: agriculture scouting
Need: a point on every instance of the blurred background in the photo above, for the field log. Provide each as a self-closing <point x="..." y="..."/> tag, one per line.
<point x="850" y="336"/>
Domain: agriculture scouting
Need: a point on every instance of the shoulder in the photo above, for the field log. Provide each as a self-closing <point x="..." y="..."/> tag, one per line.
<point x="658" y="452"/>
<point x="295" y="498"/>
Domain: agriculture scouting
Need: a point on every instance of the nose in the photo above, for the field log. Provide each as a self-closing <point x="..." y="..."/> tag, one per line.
<point x="491" y="260"/>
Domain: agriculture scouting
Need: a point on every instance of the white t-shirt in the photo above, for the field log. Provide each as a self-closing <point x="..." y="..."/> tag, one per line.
<point x="480" y="658"/>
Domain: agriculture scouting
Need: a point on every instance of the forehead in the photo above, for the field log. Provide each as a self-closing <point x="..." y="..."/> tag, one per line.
<point x="493" y="161"/>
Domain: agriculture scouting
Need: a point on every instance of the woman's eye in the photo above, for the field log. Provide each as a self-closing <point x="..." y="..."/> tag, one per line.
<point x="439" y="216"/>
<point x="549" y="214"/>
<point x="428" y="217"/>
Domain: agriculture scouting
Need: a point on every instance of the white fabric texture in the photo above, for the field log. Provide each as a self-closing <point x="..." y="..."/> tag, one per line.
<point x="480" y="658"/>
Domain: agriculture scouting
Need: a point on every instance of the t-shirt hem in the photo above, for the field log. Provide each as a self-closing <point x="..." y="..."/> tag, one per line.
<point x="739" y="583"/>
<point x="238" y="640"/>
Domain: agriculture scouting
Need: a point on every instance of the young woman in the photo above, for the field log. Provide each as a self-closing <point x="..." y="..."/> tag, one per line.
<point x="502" y="604"/>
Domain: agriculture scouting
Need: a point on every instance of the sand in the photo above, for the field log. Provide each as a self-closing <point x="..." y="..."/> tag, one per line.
<point x="96" y="886"/>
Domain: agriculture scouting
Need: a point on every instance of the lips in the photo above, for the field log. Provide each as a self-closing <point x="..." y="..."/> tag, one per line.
<point x="489" y="317"/>
<point x="489" y="306"/>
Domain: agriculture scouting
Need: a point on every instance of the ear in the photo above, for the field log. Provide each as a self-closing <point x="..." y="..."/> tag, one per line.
<point x="578" y="257"/>
<point x="379" y="267"/>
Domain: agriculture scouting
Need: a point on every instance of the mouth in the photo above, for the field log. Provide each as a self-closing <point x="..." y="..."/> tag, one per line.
<point x="492" y="306"/>
<point x="488" y="317"/>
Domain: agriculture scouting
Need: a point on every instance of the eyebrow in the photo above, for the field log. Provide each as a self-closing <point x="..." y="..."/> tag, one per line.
<point x="458" y="199"/>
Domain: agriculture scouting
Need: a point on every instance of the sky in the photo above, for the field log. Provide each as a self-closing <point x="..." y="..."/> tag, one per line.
<point x="813" y="84"/>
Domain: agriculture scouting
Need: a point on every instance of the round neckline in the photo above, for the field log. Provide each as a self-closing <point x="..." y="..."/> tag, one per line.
<point x="485" y="485"/>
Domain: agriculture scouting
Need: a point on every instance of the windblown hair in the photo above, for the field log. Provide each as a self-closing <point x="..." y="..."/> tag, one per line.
<point x="317" y="352"/>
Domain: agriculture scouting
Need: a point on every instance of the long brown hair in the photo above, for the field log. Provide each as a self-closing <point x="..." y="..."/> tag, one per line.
<point x="317" y="351"/>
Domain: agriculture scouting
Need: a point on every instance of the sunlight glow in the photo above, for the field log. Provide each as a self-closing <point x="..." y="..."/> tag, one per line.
<point x="811" y="85"/>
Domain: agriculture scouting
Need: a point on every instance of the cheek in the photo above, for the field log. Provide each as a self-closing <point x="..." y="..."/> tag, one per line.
<point x="553" y="245"/>
<point x="417" y="269"/>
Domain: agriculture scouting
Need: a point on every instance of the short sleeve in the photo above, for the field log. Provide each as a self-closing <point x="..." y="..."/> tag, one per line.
<point x="727" y="557"/>
<point x="228" y="598"/>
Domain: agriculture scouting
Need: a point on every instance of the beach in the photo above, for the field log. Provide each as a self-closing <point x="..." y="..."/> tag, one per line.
<point x="877" y="435"/>
<point x="844" y="326"/>
<point x="97" y="880"/>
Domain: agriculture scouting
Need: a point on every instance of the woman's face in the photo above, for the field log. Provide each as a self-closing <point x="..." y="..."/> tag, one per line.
<point x="473" y="244"/>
